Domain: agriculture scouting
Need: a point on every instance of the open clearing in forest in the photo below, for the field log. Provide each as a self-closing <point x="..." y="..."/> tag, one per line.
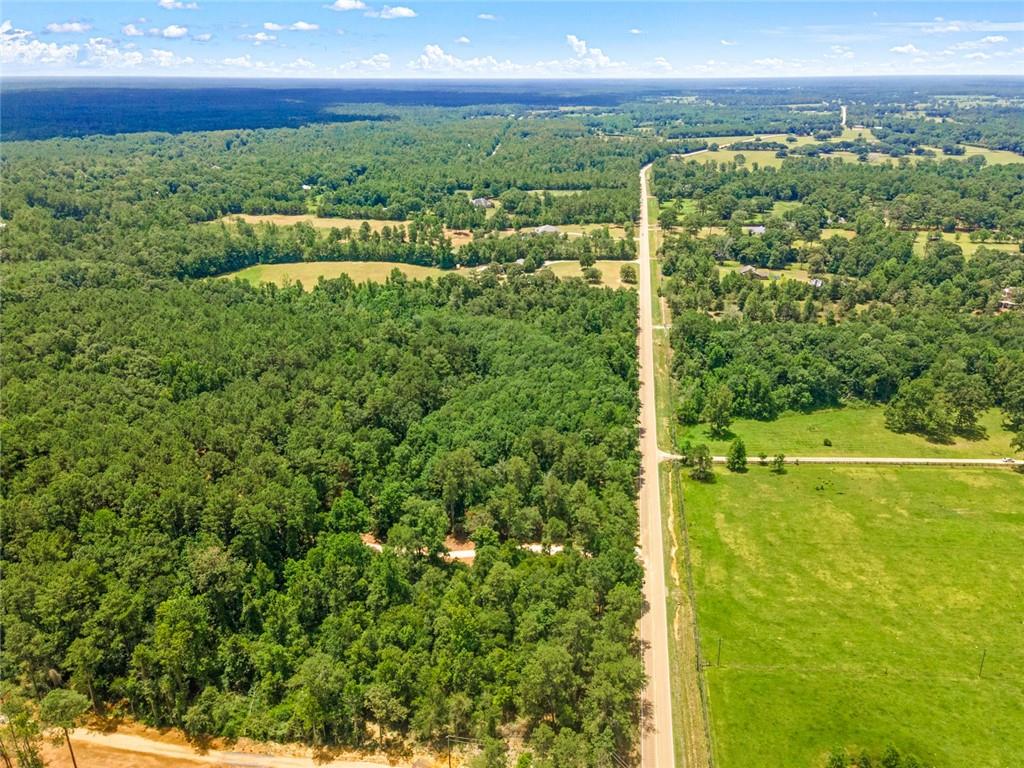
<point x="791" y="272"/>
<point x="854" y="605"/>
<point x="308" y="272"/>
<point x="960" y="238"/>
<point x="459" y="237"/>
<point x="993" y="156"/>
<point x="610" y="271"/>
<point x="857" y="430"/>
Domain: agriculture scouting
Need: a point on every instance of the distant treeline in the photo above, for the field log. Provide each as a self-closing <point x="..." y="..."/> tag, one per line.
<point x="942" y="195"/>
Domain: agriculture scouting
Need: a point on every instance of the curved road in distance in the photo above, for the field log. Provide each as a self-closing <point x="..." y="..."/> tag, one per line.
<point x="657" y="747"/>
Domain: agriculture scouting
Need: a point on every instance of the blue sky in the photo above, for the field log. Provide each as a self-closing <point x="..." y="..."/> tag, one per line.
<point x="525" y="39"/>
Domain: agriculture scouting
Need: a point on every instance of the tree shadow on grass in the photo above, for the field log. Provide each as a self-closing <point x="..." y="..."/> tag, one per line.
<point x="973" y="433"/>
<point x="725" y="434"/>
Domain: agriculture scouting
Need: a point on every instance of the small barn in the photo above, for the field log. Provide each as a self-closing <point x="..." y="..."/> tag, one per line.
<point x="547" y="229"/>
<point x="756" y="229"/>
<point x="482" y="202"/>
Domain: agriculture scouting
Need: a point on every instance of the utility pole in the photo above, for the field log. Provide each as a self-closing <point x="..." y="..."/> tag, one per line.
<point x="718" y="658"/>
<point x="981" y="666"/>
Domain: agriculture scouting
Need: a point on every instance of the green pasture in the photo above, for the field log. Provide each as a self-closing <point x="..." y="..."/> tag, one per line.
<point x="854" y="605"/>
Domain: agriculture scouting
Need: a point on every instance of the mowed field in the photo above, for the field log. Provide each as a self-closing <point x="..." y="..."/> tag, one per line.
<point x="459" y="237"/>
<point x="854" y="605"/>
<point x="792" y="271"/>
<point x="766" y="158"/>
<point x="309" y="272"/>
<point x="960" y="238"/>
<point x="857" y="430"/>
<point x="610" y="271"/>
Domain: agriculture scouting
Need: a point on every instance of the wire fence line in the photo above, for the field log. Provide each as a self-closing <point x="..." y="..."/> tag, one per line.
<point x="702" y="683"/>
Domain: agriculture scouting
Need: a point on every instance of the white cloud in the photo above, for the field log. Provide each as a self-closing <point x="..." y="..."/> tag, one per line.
<point x="298" y="26"/>
<point x="727" y="42"/>
<point x="907" y="49"/>
<point x="101" y="52"/>
<point x="941" y="26"/>
<point x="967" y="45"/>
<point x="346" y="5"/>
<point x="462" y="39"/>
<point x="587" y="57"/>
<point x="840" y="52"/>
<point x="177" y="5"/>
<point x="771" y="63"/>
<point x="130" y="30"/>
<point x="487" y="17"/>
<point x="978" y="56"/>
<point x="392" y="12"/>
<point x="169" y="59"/>
<point x="578" y="46"/>
<point x="19" y="46"/>
<point x="663" y="64"/>
<point x="75" y="27"/>
<point x="260" y="37"/>
<point x="635" y="31"/>
<point x="435" y="59"/>
<point x="301" y="63"/>
<point x="205" y="37"/>
<point x="379" y="62"/>
<point x="244" y="62"/>
<point x="173" y="32"/>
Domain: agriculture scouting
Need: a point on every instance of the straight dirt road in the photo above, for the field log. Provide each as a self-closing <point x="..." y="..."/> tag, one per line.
<point x="656" y="741"/>
<point x="147" y="749"/>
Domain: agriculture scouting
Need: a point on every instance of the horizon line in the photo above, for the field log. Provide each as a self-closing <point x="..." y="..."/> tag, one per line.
<point x="500" y="79"/>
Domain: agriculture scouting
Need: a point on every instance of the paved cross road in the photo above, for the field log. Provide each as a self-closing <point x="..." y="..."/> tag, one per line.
<point x="656" y="740"/>
<point x="1006" y="463"/>
<point x="910" y="461"/>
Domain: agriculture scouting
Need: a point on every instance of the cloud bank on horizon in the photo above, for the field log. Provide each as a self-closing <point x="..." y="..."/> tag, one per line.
<point x="365" y="38"/>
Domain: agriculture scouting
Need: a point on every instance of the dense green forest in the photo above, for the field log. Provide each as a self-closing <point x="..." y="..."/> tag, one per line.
<point x="187" y="470"/>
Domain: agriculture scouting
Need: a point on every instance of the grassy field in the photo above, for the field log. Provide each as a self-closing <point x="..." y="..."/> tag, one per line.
<point x="781" y="206"/>
<point x="610" y="271"/>
<point x="993" y="156"/>
<point x="310" y="271"/>
<point x="854" y="604"/>
<point x="852" y="134"/>
<point x="556" y="192"/>
<point x="459" y="237"/>
<point x="617" y="231"/>
<point x="765" y="158"/>
<point x="792" y="271"/>
<point x="969" y="248"/>
<point x="854" y="431"/>
<point x="828" y="232"/>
